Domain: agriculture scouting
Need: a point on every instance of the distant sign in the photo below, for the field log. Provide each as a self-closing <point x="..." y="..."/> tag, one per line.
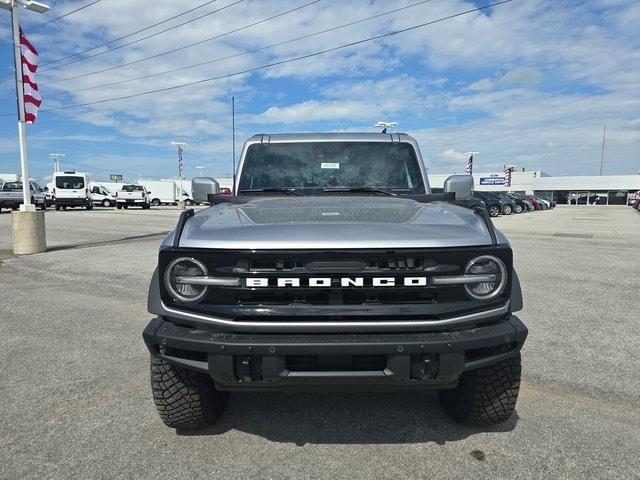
<point x="115" y="177"/>
<point x="492" y="180"/>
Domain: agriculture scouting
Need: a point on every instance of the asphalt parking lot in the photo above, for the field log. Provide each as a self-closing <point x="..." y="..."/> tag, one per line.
<point x="76" y="402"/>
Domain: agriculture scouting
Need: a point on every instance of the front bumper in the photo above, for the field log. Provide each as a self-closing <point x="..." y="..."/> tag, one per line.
<point x="303" y="361"/>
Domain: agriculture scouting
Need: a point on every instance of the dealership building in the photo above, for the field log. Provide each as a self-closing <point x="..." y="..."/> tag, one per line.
<point x="599" y="190"/>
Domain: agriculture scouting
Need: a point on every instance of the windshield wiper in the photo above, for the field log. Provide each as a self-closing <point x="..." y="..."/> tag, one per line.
<point x="269" y="189"/>
<point x="361" y="189"/>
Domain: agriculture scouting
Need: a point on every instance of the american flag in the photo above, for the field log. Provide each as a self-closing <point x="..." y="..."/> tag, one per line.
<point x="29" y="60"/>
<point x="469" y="167"/>
<point x="180" y="160"/>
<point x="507" y="177"/>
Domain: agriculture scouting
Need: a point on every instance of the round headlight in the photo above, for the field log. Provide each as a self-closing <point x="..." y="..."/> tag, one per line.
<point x="486" y="265"/>
<point x="176" y="279"/>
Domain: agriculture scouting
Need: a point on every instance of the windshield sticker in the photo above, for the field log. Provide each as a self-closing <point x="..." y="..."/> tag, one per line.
<point x="335" y="166"/>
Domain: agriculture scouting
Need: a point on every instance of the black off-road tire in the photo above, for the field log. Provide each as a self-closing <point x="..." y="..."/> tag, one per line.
<point x="484" y="396"/>
<point x="185" y="399"/>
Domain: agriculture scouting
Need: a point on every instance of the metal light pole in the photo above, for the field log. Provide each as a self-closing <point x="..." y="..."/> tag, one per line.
<point x="200" y="169"/>
<point x="38" y="7"/>
<point x="28" y="227"/>
<point x="179" y="145"/>
<point x="55" y="157"/>
<point x="604" y="134"/>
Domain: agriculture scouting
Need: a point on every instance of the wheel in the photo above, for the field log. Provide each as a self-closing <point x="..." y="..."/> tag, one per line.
<point x="118" y="206"/>
<point x="518" y="208"/>
<point x="188" y="202"/>
<point x="64" y="207"/>
<point x="155" y="202"/>
<point x="185" y="399"/>
<point x="506" y="210"/>
<point x="494" y="211"/>
<point x="106" y="203"/>
<point x="43" y="206"/>
<point x="125" y="206"/>
<point x="57" y="207"/>
<point x="484" y="396"/>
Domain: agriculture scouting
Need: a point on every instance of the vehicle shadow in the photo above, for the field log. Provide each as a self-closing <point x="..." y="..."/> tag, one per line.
<point x="344" y="418"/>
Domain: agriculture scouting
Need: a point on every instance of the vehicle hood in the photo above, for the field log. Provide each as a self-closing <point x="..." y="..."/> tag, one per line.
<point x="337" y="222"/>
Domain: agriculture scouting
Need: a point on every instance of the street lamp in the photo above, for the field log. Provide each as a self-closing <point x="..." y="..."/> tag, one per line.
<point x="385" y="126"/>
<point x="200" y="169"/>
<point x="28" y="226"/>
<point x="55" y="157"/>
<point x="180" y="145"/>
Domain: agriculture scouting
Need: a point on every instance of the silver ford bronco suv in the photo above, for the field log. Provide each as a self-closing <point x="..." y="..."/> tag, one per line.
<point x="333" y="266"/>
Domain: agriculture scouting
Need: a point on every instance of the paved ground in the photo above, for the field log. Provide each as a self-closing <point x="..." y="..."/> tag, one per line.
<point x="76" y="401"/>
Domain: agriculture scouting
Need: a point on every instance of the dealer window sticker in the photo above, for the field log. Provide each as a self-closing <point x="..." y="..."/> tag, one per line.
<point x="334" y="166"/>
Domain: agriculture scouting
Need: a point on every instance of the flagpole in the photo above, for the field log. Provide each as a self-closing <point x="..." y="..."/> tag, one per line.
<point x="26" y="206"/>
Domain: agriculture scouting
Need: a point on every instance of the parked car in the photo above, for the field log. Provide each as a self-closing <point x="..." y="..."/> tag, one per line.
<point x="101" y="197"/>
<point x="525" y="202"/>
<point x="133" y="195"/>
<point x="71" y="189"/>
<point x="11" y="195"/>
<point x="491" y="203"/>
<point x="48" y="196"/>
<point x="299" y="280"/>
<point x="509" y="205"/>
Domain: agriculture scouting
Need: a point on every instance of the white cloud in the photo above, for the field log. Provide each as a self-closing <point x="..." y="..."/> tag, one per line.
<point x="453" y="157"/>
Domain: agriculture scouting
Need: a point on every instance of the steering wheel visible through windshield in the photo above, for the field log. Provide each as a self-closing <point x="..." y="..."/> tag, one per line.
<point x="319" y="166"/>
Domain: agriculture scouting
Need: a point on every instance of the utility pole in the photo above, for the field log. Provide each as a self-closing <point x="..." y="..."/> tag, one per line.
<point x="55" y="157"/>
<point x="180" y="146"/>
<point x="233" y="141"/>
<point x="28" y="227"/>
<point x="604" y="133"/>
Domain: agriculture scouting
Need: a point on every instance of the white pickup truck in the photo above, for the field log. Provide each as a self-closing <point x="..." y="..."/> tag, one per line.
<point x="133" y="195"/>
<point x="11" y="195"/>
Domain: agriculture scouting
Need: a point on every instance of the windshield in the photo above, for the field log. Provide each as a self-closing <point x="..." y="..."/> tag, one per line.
<point x="132" y="188"/>
<point x="69" y="182"/>
<point x="12" y="186"/>
<point x="316" y="166"/>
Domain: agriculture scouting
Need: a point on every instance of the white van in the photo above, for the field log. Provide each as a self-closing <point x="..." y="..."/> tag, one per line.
<point x="100" y="196"/>
<point x="71" y="189"/>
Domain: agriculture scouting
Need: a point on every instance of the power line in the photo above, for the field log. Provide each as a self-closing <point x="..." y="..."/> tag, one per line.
<point x="281" y="62"/>
<point x="228" y="57"/>
<point x="168" y="19"/>
<point x="155" y="34"/>
<point x="40" y="25"/>
<point x="220" y="35"/>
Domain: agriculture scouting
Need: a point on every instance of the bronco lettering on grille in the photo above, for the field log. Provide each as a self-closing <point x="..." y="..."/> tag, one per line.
<point x="315" y="282"/>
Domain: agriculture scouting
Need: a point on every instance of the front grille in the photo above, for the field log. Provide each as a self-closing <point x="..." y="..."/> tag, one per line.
<point x="333" y="301"/>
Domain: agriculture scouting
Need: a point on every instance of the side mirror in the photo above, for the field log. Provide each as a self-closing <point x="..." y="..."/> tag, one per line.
<point x="202" y="187"/>
<point x="460" y="185"/>
<point x="149" y="192"/>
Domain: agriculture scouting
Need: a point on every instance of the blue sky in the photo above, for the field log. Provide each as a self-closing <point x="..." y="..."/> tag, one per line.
<point x="530" y="83"/>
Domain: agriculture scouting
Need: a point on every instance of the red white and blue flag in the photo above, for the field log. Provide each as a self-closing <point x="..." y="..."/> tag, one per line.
<point x="507" y="177"/>
<point x="29" y="59"/>
<point x="469" y="167"/>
